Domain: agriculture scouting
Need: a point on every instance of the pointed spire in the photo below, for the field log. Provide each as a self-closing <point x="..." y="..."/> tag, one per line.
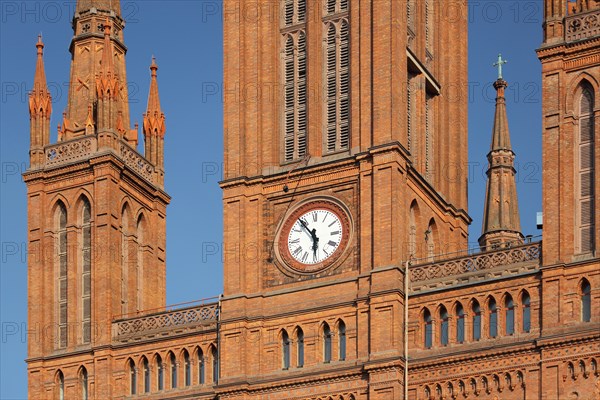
<point x="40" y="99"/>
<point x="154" y="125"/>
<point x="40" y="109"/>
<point x="501" y="220"/>
<point x="153" y="98"/>
<point x="108" y="65"/>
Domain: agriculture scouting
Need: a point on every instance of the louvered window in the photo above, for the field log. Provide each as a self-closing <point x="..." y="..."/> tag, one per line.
<point x="337" y="76"/>
<point x="429" y="27"/>
<point x="294" y="77"/>
<point x="62" y="285"/>
<point x="586" y="207"/>
<point x="86" y="273"/>
<point x="429" y="136"/>
<point x="411" y="94"/>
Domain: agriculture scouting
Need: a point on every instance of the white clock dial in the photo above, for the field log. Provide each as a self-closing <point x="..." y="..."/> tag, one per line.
<point x="315" y="236"/>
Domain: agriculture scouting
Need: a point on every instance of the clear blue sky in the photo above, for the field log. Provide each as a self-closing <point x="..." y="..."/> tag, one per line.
<point x="186" y="38"/>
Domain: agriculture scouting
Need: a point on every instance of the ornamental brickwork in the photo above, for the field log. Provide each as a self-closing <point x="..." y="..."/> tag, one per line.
<point x="357" y="128"/>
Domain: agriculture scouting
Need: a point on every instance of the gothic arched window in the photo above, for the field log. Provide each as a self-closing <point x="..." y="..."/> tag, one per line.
<point x="83" y="383"/>
<point x="493" y="318"/>
<point x="86" y="272"/>
<point x="160" y="373"/>
<point x="476" y="320"/>
<point x="187" y="369"/>
<point x="586" y="209"/>
<point x="125" y="257"/>
<point x="146" y="371"/>
<point x="215" y="364"/>
<point x="326" y="343"/>
<point x="173" y="366"/>
<point x="509" y="317"/>
<point x="300" y="347"/>
<point x="342" y="340"/>
<point x="337" y="76"/>
<point x="60" y="383"/>
<point x="460" y="323"/>
<point x="62" y="283"/>
<point x="428" y="328"/>
<point x="586" y="301"/>
<point x="141" y="232"/>
<point x="132" y="377"/>
<point x="526" y="311"/>
<point x="201" y="367"/>
<point x="294" y="80"/>
<point x="285" y="350"/>
<point x="444" y="322"/>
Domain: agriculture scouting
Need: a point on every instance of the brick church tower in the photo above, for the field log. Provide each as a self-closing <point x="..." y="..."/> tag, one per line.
<point x="334" y="180"/>
<point x="571" y="104"/>
<point x="92" y="198"/>
<point x="344" y="218"/>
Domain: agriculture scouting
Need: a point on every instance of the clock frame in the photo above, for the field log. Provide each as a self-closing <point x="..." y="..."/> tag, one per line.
<point x="281" y="241"/>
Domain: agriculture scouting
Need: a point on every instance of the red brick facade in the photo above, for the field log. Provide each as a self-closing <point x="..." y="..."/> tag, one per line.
<point x="515" y="322"/>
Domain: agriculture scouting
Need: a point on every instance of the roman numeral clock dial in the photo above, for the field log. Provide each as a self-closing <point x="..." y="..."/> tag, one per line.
<point x="313" y="236"/>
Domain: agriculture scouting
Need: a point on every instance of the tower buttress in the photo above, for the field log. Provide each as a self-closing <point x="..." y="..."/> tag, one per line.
<point x="501" y="221"/>
<point x="40" y="109"/>
<point x="154" y="126"/>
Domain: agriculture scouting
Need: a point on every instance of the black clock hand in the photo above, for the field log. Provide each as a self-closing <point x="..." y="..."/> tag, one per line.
<point x="315" y="245"/>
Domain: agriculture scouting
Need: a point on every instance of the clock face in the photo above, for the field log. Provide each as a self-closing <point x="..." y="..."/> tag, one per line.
<point x="314" y="236"/>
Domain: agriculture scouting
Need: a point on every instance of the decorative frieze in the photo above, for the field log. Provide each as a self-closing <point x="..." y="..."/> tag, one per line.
<point x="136" y="162"/>
<point x="165" y="324"/>
<point x="71" y="151"/>
<point x="474" y="263"/>
<point x="582" y="26"/>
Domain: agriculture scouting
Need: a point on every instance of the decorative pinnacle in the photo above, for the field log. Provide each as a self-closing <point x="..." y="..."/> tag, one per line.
<point x="40" y="45"/>
<point x="499" y="64"/>
<point x="153" y="67"/>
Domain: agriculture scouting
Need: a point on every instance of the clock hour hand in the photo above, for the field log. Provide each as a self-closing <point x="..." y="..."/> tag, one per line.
<point x="315" y="245"/>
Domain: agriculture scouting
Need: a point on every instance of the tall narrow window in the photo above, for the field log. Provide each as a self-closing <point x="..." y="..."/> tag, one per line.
<point x="476" y="320"/>
<point x="83" y="382"/>
<point x="429" y="136"/>
<point x="201" y="367"/>
<point x="132" y="378"/>
<point x="429" y="27"/>
<point x="125" y="220"/>
<point x="160" y="373"/>
<point x="146" y="367"/>
<point x="509" y="316"/>
<point x="337" y="75"/>
<point x="326" y="343"/>
<point x="493" y="318"/>
<point x="460" y="323"/>
<point x="60" y="381"/>
<point x="412" y="234"/>
<point x="585" y="148"/>
<point x="285" y="350"/>
<point x="430" y="238"/>
<point x="62" y="285"/>
<point x="140" y="263"/>
<point x="86" y="273"/>
<point x="428" y="328"/>
<point x="300" y="347"/>
<point x="526" y="307"/>
<point x="586" y="301"/>
<point x="173" y="364"/>
<point x="444" y="323"/>
<point x="187" y="369"/>
<point x="294" y="77"/>
<point x="411" y="134"/>
<point x="342" y="340"/>
<point x="215" y="364"/>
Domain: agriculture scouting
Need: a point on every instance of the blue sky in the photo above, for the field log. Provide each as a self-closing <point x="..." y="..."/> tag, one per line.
<point x="186" y="38"/>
